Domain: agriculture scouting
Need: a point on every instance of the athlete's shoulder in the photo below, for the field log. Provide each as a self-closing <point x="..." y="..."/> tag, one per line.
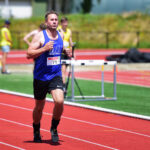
<point x="39" y="37"/>
<point x="61" y="34"/>
<point x="69" y="30"/>
<point x="4" y="29"/>
<point x="34" y="32"/>
<point x="59" y="27"/>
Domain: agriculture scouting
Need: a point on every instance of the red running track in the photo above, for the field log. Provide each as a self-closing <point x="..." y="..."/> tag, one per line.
<point x="139" y="78"/>
<point x="19" y="56"/>
<point x="80" y="128"/>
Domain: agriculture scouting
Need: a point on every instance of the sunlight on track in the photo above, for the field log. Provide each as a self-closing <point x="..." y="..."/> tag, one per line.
<point x="82" y="140"/>
<point x="78" y="120"/>
<point x="9" y="145"/>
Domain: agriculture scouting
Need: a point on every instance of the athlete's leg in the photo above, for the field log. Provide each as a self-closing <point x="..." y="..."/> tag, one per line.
<point x="5" y="50"/>
<point x="4" y="57"/>
<point x="40" y="91"/>
<point x="37" y="111"/>
<point x="37" y="115"/>
<point x="63" y="69"/>
<point x="58" y="98"/>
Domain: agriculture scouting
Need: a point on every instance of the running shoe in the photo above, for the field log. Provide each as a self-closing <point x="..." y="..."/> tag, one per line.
<point x="5" y="72"/>
<point x="54" y="135"/>
<point x="37" y="138"/>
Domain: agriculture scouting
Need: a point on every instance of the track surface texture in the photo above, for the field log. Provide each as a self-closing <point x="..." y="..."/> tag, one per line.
<point x="80" y="128"/>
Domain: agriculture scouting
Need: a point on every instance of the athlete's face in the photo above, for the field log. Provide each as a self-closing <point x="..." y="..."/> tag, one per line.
<point x="52" y="21"/>
<point x="64" y="24"/>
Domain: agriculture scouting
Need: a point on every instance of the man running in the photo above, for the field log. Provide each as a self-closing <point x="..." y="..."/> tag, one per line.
<point x="67" y="51"/>
<point x="33" y="33"/>
<point x="46" y="48"/>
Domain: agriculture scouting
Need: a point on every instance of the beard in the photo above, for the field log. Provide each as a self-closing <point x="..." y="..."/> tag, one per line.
<point x="54" y="27"/>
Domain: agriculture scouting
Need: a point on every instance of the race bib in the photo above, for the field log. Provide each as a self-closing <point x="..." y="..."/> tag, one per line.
<point x="66" y="44"/>
<point x="53" y="61"/>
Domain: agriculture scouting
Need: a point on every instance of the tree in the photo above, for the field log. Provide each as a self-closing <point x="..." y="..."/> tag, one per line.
<point x="60" y="5"/>
<point x="87" y="5"/>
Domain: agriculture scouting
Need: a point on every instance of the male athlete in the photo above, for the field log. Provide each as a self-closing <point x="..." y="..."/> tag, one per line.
<point x="33" y="33"/>
<point x="67" y="51"/>
<point x="46" y="48"/>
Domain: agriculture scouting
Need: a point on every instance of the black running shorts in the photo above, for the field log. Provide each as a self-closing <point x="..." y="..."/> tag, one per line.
<point x="64" y="57"/>
<point x="41" y="88"/>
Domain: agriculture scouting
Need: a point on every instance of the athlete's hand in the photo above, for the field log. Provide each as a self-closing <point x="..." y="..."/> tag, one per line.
<point x="68" y="52"/>
<point x="49" y="46"/>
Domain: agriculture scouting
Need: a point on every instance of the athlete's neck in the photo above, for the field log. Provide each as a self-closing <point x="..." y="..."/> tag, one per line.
<point x="52" y="34"/>
<point x="64" y="29"/>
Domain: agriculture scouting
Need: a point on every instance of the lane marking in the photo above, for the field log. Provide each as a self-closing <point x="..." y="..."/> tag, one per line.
<point x="71" y="137"/>
<point x="16" y="147"/>
<point x="82" y="121"/>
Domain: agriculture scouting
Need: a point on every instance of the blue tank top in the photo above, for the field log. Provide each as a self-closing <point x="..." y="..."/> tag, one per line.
<point x="48" y="64"/>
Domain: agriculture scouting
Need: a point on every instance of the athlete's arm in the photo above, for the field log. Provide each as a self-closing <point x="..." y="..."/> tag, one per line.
<point x="70" y="39"/>
<point x="7" y="38"/>
<point x="71" y="44"/>
<point x="27" y="37"/>
<point x="35" y="48"/>
<point x="31" y="34"/>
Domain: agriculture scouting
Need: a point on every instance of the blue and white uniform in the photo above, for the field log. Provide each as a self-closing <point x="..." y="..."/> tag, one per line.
<point x="48" y="65"/>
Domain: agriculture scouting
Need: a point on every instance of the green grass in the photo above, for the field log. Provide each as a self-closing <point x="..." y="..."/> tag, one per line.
<point x="132" y="99"/>
<point x="17" y="82"/>
<point x="87" y="27"/>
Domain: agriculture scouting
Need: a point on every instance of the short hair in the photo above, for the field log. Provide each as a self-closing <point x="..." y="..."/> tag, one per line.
<point x="7" y="22"/>
<point x="49" y="13"/>
<point x="42" y="26"/>
<point x="64" y="19"/>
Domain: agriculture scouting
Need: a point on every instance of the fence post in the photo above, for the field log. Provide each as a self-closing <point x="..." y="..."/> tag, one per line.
<point x="18" y="39"/>
<point x="107" y="39"/>
<point x="77" y="38"/>
<point x="138" y="39"/>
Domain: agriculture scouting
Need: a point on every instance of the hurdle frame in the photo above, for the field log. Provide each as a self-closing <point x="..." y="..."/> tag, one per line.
<point x="101" y="63"/>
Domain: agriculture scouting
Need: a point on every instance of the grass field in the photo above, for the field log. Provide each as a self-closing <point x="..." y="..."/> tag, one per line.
<point x="87" y="30"/>
<point x="132" y="99"/>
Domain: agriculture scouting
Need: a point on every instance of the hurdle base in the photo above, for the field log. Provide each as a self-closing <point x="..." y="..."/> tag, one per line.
<point x="89" y="98"/>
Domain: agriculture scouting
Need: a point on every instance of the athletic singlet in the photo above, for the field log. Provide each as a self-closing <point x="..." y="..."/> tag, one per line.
<point x="67" y="35"/>
<point x="48" y="65"/>
<point x="4" y="42"/>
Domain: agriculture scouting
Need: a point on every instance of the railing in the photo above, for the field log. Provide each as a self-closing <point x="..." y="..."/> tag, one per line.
<point x="134" y="38"/>
<point x="139" y="37"/>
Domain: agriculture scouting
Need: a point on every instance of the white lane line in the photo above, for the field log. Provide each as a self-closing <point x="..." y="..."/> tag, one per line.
<point x="16" y="147"/>
<point x="71" y="137"/>
<point x="78" y="120"/>
<point x="17" y="55"/>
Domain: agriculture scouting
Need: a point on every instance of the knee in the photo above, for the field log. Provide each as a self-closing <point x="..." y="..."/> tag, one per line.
<point x="59" y="102"/>
<point x="38" y="109"/>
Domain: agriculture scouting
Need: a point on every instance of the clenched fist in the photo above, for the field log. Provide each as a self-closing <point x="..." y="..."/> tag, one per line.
<point x="49" y="46"/>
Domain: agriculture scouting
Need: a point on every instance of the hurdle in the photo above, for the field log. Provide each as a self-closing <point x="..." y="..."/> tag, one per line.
<point x="101" y="63"/>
